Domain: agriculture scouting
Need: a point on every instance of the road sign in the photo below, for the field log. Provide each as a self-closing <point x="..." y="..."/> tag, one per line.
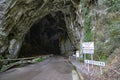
<point x="88" y="51"/>
<point x="98" y="63"/>
<point x="88" y="47"/>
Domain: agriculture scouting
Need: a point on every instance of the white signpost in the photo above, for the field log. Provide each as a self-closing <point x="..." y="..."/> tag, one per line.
<point x="88" y="48"/>
<point x="88" y="51"/>
<point x="98" y="63"/>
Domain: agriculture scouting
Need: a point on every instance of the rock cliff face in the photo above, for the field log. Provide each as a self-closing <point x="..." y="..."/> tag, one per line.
<point x="58" y="26"/>
<point x="20" y="17"/>
<point x="3" y="6"/>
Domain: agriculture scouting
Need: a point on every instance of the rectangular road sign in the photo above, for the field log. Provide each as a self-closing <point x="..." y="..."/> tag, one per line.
<point x="98" y="63"/>
<point x="88" y="47"/>
<point x="88" y="51"/>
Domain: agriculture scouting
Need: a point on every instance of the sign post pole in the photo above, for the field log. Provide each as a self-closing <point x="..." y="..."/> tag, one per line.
<point x="88" y="48"/>
<point x="98" y="63"/>
<point x="88" y="68"/>
<point x="85" y="58"/>
<point x="92" y="59"/>
<point x="101" y="70"/>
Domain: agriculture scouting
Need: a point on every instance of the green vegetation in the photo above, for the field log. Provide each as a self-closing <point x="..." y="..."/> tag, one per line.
<point x="1" y="63"/>
<point x="40" y="59"/>
<point x="87" y="28"/>
<point x="105" y="47"/>
<point x="107" y="29"/>
<point x="115" y="34"/>
<point x="81" y="59"/>
<point x="114" y="5"/>
<point x="8" y="66"/>
<point x="88" y="34"/>
<point x="19" y="63"/>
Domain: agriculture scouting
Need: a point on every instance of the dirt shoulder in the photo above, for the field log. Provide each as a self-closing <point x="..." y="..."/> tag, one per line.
<point x="94" y="73"/>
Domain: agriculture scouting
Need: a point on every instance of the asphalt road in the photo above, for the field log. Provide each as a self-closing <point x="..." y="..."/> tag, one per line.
<point x="54" y="68"/>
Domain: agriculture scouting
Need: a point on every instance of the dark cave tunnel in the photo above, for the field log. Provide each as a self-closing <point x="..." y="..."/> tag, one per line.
<point x="44" y="36"/>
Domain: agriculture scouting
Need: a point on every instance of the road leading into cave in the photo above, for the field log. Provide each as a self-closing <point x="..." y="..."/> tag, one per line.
<point x="54" y="68"/>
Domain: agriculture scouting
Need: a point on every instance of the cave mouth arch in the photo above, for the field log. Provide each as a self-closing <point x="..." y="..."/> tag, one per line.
<point x="45" y="35"/>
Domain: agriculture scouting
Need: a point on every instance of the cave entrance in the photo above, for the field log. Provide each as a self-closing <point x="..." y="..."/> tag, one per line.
<point x="45" y="35"/>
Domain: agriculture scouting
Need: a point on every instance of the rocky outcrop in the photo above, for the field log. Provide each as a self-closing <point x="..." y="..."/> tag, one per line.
<point x="20" y="15"/>
<point x="3" y="5"/>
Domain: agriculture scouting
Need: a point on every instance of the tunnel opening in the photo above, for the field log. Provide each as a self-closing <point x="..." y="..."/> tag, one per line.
<point x="45" y="36"/>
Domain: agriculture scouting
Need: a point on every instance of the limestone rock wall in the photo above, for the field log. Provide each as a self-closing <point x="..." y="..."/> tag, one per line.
<point x="20" y="15"/>
<point x="3" y="6"/>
